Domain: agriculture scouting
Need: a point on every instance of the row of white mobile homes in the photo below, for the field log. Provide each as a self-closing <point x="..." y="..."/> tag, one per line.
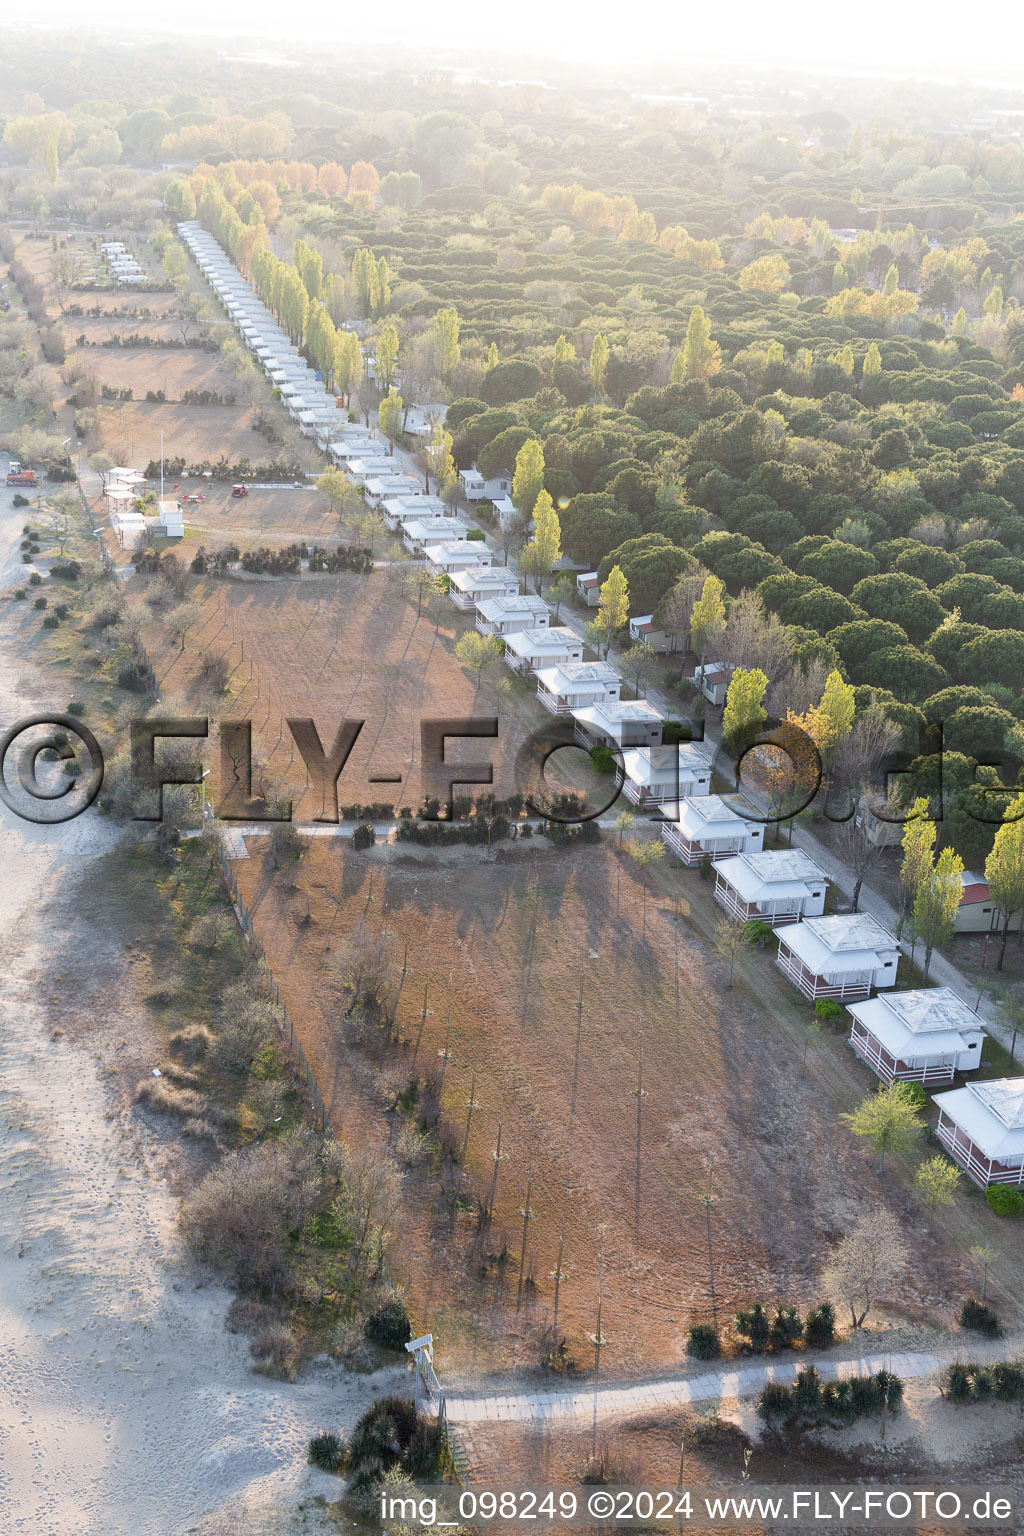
<point x="458" y="554"/>
<point x="399" y="510"/>
<point x="417" y="533"/>
<point x="299" y="387"/>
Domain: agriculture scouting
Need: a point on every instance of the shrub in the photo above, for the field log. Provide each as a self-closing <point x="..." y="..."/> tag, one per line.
<point x="820" y="1327"/>
<point x="829" y="1012"/>
<point x="51" y="621"/>
<point x="286" y="844"/>
<point x="758" y="932"/>
<point x="21" y="593"/>
<point x="703" y="1342"/>
<point x="1009" y="1382"/>
<point x="786" y="1329"/>
<point x="137" y="676"/>
<point x="603" y="759"/>
<point x="326" y="1451"/>
<point x="391" y="1435"/>
<point x="20" y="500"/>
<point x="35" y="580"/>
<point x="979" y="1317"/>
<point x="755" y="1327"/>
<point x="363" y="836"/>
<point x="1005" y="1200"/>
<point x="61" y="610"/>
<point x="40" y="602"/>
<point x="388" y="1325"/>
<point x="66" y="570"/>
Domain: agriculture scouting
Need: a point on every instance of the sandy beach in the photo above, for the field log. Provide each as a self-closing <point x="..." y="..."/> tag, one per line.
<point x="126" y="1408"/>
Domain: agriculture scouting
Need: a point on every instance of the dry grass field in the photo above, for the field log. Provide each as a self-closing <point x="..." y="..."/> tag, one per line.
<point x="331" y="647"/>
<point x="721" y="1080"/>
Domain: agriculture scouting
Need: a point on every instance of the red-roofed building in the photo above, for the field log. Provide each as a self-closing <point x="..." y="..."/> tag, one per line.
<point x="977" y="912"/>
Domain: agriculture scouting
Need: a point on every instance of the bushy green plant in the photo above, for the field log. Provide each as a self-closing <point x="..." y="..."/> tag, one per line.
<point x="40" y="602"/>
<point x="35" y="580"/>
<point x="979" y="1317"/>
<point x="754" y="1326"/>
<point x="1004" y="1199"/>
<point x="363" y="836"/>
<point x="820" y="1326"/>
<point x="829" y="1012"/>
<point x="388" y="1325"/>
<point x="326" y="1451"/>
<point x="703" y="1342"/>
<point x="21" y="593"/>
<point x="787" y="1328"/>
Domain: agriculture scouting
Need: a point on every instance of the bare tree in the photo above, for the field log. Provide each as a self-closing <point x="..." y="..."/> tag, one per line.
<point x="799" y="689"/>
<point x="367" y="967"/>
<point x="756" y="638"/>
<point x="676" y="609"/>
<point x="855" y="791"/>
<point x="866" y="1264"/>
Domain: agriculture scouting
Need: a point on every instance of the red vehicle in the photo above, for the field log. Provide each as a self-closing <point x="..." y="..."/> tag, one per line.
<point x="18" y="474"/>
<point x="239" y="490"/>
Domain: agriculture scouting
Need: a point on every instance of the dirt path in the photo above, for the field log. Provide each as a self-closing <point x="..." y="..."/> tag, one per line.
<point x="126" y="1409"/>
<point x="725" y="1383"/>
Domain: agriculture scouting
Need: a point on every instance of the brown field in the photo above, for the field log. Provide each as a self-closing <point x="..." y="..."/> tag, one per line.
<point x="721" y="1079"/>
<point x="131" y="433"/>
<point x="172" y="369"/>
<point x="333" y="647"/>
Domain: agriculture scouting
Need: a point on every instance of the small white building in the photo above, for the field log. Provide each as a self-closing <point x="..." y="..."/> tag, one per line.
<point x="506" y="511"/>
<point x="362" y="470"/>
<point x="713" y="680"/>
<point x="528" y="649"/>
<point x="846" y="955"/>
<point x="618" y="724"/>
<point x="588" y="588"/>
<point x="711" y="826"/>
<point x="399" y="510"/>
<point x="169" y="519"/>
<point x="924" y="1036"/>
<point x="478" y="582"/>
<point x="642" y="630"/>
<point x="476" y="488"/>
<point x="452" y="556"/>
<point x="982" y="1128"/>
<point x="664" y="775"/>
<point x="506" y="615"/>
<point x="389" y="487"/>
<point x="576" y="684"/>
<point x="977" y="912"/>
<point x="781" y="886"/>
<point x="417" y="533"/>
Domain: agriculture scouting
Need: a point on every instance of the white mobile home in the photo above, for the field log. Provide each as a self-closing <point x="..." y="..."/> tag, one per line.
<point x="713" y="680"/>
<point x="399" y="510"/>
<point x="476" y="488"/>
<point x="618" y="724"/>
<point x="924" y="1036"/>
<point x="664" y="775"/>
<point x="417" y="533"/>
<point x="527" y="649"/>
<point x="389" y="488"/>
<point x="452" y="556"/>
<point x="982" y="1128"/>
<point x="575" y="685"/>
<point x="588" y="588"/>
<point x="478" y="582"/>
<point x="977" y="912"/>
<point x="847" y="955"/>
<point x="710" y="826"/>
<point x="642" y="630"/>
<point x="505" y="615"/>
<point x="779" y="887"/>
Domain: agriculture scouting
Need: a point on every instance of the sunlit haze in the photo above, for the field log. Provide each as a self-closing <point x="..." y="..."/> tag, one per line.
<point x="876" y="37"/>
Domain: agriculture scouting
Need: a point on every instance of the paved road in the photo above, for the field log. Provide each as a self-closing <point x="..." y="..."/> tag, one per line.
<point x="727" y="1382"/>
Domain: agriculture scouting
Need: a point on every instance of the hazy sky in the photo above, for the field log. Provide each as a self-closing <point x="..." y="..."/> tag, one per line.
<point x="887" y="36"/>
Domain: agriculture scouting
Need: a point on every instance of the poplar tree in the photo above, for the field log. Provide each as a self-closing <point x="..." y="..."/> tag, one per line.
<point x="613" y="607"/>
<point x="598" y="361"/>
<point x="440" y="462"/>
<point x="387" y="356"/>
<point x="707" y="622"/>
<point x="872" y="361"/>
<point x="892" y="281"/>
<point x="936" y="903"/>
<point x="701" y="357"/>
<point x="528" y="478"/>
<point x="544" y="551"/>
<point x="492" y="355"/>
<point x="1004" y="869"/>
<point x="389" y="416"/>
<point x="744" y="702"/>
<point x="447" y="352"/>
<point x="383" y="301"/>
<point x="918" y="854"/>
<point x="565" y="352"/>
<point x="364" y="276"/>
<point x="832" y="719"/>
